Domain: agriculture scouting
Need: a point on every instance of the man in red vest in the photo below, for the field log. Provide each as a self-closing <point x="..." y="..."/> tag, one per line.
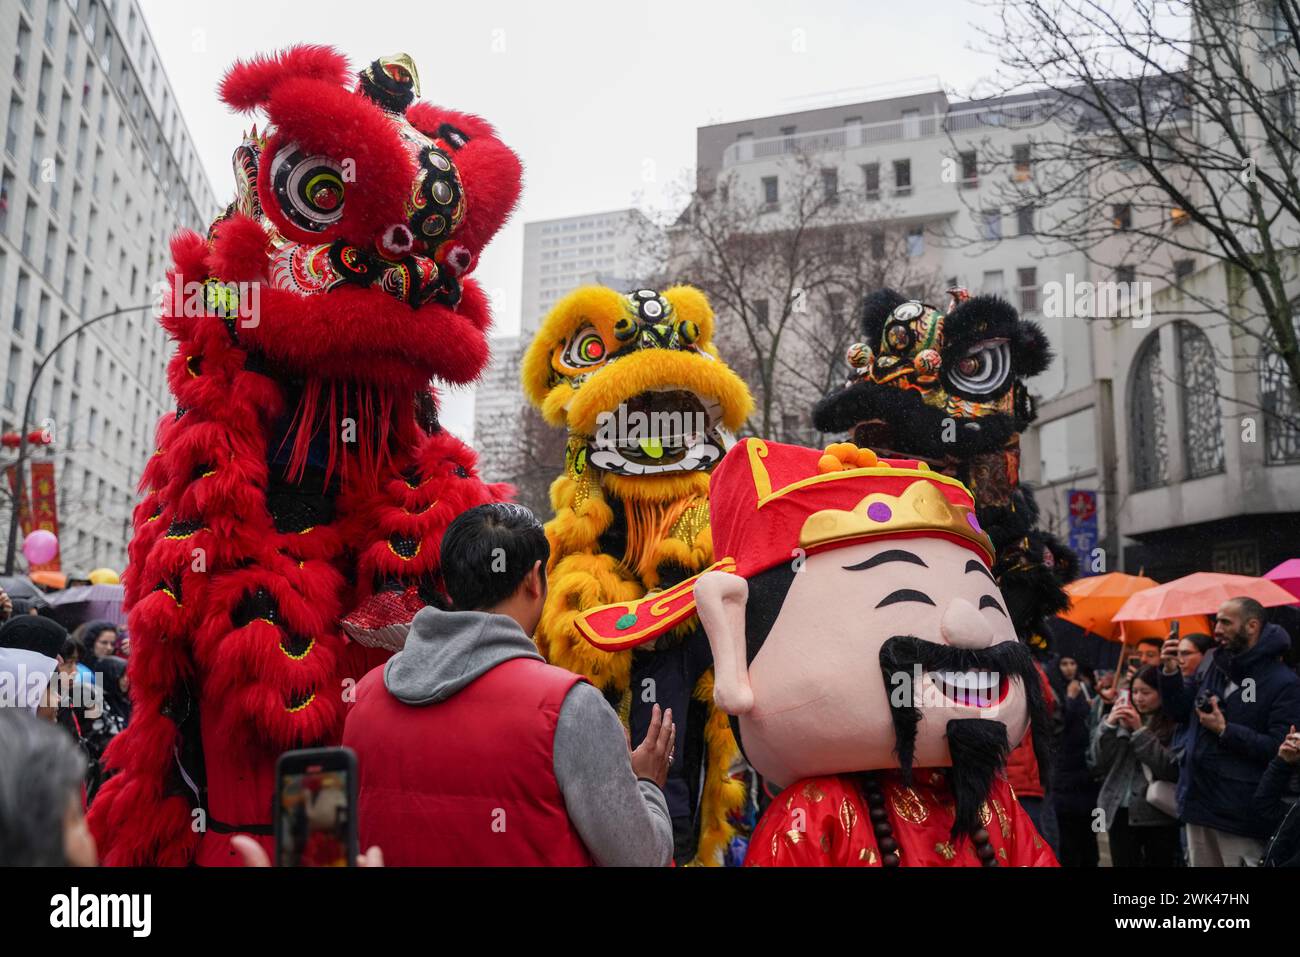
<point x="472" y="750"/>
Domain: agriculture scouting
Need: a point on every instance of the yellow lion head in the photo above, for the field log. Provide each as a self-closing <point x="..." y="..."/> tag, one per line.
<point x="638" y="384"/>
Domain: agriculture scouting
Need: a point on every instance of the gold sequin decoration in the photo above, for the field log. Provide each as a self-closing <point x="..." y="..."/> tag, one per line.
<point x="1002" y="853"/>
<point x="869" y="855"/>
<point x="909" y="806"/>
<point x="812" y="792"/>
<point x="692" y="522"/>
<point x="794" y="837"/>
<point x="848" y="816"/>
<point x="945" y="850"/>
<point x="985" y="814"/>
<point x="1004" y="820"/>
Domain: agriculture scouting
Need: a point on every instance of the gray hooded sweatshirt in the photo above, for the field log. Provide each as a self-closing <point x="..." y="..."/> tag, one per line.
<point x="623" y="821"/>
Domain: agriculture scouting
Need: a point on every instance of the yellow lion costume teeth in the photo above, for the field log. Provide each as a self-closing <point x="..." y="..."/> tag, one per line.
<point x="648" y="405"/>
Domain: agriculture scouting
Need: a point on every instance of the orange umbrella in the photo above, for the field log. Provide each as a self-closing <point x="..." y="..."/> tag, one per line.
<point x="1200" y="593"/>
<point x="1095" y="599"/>
<point x="48" y="579"/>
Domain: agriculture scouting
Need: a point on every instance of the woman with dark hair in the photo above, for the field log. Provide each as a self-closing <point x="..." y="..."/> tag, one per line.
<point x="100" y="639"/>
<point x="1192" y="650"/>
<point x="1131" y="748"/>
<point x="41" y="819"/>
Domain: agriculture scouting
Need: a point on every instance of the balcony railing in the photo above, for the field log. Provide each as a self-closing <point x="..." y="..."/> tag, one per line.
<point x="891" y="131"/>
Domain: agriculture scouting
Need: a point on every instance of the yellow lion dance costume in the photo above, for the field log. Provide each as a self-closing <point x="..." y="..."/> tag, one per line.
<point x="646" y="399"/>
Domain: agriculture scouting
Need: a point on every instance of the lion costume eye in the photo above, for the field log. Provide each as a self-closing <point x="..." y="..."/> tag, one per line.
<point x="309" y="189"/>
<point x="983" y="369"/>
<point x="586" y="348"/>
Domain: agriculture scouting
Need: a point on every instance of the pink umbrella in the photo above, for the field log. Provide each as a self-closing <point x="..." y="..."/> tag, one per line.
<point x="1287" y="575"/>
<point x="1200" y="593"/>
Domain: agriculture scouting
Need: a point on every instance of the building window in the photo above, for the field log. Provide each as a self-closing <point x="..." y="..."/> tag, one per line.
<point x="762" y="312"/>
<point x="1028" y="282"/>
<point x="992" y="284"/>
<point x="1022" y="163"/>
<point x="831" y="184"/>
<point x="916" y="242"/>
<point x="877" y="245"/>
<point x="11" y="379"/>
<point x="902" y="177"/>
<point x="1025" y="220"/>
<point x="1278" y="401"/>
<point x="991" y="224"/>
<point x="911" y="124"/>
<point x="969" y="169"/>
<point x="1146" y="415"/>
<point x="14" y="125"/>
<point x="1121" y="216"/>
<point x="1199" y="395"/>
<point x="871" y="180"/>
<point x="1182" y="269"/>
<point x="787" y="143"/>
<point x="770" y="194"/>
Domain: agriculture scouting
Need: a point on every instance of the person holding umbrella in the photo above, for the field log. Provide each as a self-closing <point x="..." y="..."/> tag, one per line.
<point x="1234" y="717"/>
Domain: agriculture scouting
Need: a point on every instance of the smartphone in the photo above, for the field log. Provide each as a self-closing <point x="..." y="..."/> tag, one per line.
<point x="1173" y="629"/>
<point x="1135" y="662"/>
<point x="1122" y="699"/>
<point x="315" y="808"/>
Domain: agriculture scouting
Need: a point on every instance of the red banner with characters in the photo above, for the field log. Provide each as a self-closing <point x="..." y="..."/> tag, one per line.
<point x="45" y="509"/>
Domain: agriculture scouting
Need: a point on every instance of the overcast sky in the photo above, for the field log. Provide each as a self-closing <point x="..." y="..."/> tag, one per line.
<point x="601" y="100"/>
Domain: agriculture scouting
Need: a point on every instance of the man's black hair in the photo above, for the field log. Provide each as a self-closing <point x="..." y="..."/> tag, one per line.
<point x="1251" y="610"/>
<point x="1151" y="640"/>
<point x="487" y="551"/>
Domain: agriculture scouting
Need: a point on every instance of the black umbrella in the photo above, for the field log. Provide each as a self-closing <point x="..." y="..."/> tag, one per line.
<point x="23" y="593"/>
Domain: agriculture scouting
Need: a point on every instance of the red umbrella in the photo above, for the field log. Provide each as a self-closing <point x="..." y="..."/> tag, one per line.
<point x="1200" y="593"/>
<point x="1287" y="575"/>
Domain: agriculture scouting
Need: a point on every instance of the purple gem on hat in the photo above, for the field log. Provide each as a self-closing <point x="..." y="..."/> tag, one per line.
<point x="974" y="522"/>
<point x="878" y="512"/>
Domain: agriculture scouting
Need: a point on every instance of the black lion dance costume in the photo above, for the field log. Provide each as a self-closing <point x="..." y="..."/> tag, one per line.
<point x="948" y="388"/>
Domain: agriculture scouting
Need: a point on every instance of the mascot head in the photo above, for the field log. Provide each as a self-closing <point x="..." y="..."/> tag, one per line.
<point x="854" y="621"/>
<point x="359" y="217"/>
<point x="939" y="385"/>
<point x="637" y="382"/>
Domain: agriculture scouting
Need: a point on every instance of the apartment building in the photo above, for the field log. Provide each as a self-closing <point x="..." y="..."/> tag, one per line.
<point x="98" y="171"/>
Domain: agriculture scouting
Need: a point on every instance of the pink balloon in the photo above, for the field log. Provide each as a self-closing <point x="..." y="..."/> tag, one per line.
<point x="40" y="546"/>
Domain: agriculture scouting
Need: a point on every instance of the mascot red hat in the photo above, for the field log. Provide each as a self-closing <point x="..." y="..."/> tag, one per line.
<point x="865" y="655"/>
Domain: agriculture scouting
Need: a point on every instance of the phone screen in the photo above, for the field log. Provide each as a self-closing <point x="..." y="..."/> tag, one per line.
<point x="1122" y="699"/>
<point x="314" y="808"/>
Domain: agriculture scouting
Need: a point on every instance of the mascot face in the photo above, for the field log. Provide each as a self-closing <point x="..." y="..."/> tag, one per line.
<point x="637" y="382"/>
<point x="934" y="384"/>
<point x="835" y="684"/>
<point x="363" y="204"/>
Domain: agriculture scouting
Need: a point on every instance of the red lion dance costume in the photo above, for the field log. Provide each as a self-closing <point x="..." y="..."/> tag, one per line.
<point x="293" y="510"/>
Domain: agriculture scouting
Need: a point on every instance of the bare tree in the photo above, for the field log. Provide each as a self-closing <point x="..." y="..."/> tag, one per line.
<point x="1162" y="138"/>
<point x="520" y="447"/>
<point x="784" y="274"/>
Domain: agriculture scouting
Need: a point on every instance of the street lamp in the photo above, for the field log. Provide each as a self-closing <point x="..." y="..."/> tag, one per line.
<point x="19" y="492"/>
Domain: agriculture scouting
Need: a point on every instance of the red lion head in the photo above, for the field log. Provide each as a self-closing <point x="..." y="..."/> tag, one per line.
<point x="359" y="219"/>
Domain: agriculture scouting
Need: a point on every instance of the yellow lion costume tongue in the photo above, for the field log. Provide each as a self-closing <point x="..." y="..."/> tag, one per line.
<point x="648" y="405"/>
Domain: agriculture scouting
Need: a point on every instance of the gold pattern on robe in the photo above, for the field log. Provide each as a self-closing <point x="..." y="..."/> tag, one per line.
<point x="945" y="850"/>
<point x="812" y="792"/>
<point x="1002" y="853"/>
<point x="1038" y="845"/>
<point x="985" y="814"/>
<point x="848" y="816"/>
<point x="794" y="837"/>
<point x="868" y="854"/>
<point x="909" y="806"/>
<point x="775" y="839"/>
<point x="1004" y="821"/>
